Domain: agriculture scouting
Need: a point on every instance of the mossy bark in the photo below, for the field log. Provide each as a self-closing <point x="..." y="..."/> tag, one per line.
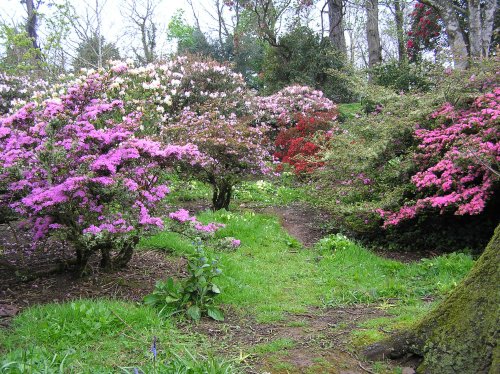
<point x="460" y="335"/>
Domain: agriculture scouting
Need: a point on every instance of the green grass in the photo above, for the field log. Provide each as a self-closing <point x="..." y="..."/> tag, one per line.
<point x="100" y="336"/>
<point x="347" y="111"/>
<point x="268" y="277"/>
<point x="278" y="345"/>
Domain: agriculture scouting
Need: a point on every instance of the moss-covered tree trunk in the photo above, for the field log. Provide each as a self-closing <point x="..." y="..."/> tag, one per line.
<point x="461" y="335"/>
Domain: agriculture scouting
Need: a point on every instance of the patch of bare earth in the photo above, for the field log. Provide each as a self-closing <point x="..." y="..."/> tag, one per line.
<point x="19" y="289"/>
<point x="319" y="340"/>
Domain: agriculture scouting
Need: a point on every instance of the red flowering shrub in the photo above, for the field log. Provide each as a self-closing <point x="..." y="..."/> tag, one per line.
<point x="299" y="145"/>
<point x="459" y="160"/>
<point x="425" y="30"/>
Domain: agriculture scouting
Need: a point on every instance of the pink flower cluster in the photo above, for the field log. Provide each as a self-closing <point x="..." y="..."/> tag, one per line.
<point x="459" y="160"/>
<point x="183" y="216"/>
<point x="284" y="106"/>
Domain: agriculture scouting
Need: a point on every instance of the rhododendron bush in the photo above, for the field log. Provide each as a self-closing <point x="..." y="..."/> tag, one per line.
<point x="303" y="120"/>
<point x="459" y="160"/>
<point x="14" y="89"/>
<point x="205" y="103"/>
<point x="78" y="166"/>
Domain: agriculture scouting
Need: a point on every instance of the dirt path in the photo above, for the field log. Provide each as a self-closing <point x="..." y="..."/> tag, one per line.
<point x="303" y="222"/>
<point x="314" y="342"/>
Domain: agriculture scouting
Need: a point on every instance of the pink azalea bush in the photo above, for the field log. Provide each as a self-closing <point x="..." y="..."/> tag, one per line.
<point x="78" y="166"/>
<point x="459" y="161"/>
<point x="282" y="108"/>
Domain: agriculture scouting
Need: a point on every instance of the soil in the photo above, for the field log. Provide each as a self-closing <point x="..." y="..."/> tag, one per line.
<point x="317" y="341"/>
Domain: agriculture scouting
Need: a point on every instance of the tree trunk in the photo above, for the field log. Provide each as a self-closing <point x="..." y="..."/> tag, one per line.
<point x="461" y="335"/>
<point x="221" y="195"/>
<point x="336" y="24"/>
<point x="372" y="33"/>
<point x="475" y="39"/>
<point x="398" y="18"/>
<point x="456" y="36"/>
<point x="488" y="16"/>
<point x="31" y="24"/>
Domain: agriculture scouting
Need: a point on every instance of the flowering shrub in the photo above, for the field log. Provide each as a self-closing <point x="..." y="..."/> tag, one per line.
<point x="299" y="145"/>
<point x="425" y="30"/>
<point x="77" y="166"/>
<point x="281" y="109"/>
<point x="459" y="160"/>
<point x="233" y="150"/>
<point x="14" y="89"/>
<point x="187" y="101"/>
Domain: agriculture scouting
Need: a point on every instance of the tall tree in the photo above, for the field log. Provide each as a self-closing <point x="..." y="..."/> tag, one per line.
<point x="372" y="33"/>
<point x="141" y="14"/>
<point x="32" y="20"/>
<point x="400" y="32"/>
<point x="469" y="27"/>
<point x="336" y="25"/>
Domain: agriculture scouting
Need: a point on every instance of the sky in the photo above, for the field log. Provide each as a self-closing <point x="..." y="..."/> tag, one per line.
<point x="114" y="28"/>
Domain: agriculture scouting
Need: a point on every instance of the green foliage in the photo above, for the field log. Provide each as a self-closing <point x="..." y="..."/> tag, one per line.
<point x="403" y="77"/>
<point x="302" y="57"/>
<point x="19" y="54"/>
<point x="333" y="243"/>
<point x="87" y="53"/>
<point x="189" y="39"/>
<point x="194" y="295"/>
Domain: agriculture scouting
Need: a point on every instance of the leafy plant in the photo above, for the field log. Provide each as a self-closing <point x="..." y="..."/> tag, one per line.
<point x="334" y="243"/>
<point x="193" y="295"/>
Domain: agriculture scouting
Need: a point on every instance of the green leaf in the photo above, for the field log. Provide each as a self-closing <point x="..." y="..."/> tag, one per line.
<point x="151" y="299"/>
<point x="215" y="313"/>
<point x="194" y="312"/>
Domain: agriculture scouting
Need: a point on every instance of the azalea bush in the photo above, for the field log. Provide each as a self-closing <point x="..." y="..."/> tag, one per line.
<point x="377" y="163"/>
<point x="280" y="110"/>
<point x="78" y="166"/>
<point x="299" y="145"/>
<point x="458" y="160"/>
<point x="301" y="119"/>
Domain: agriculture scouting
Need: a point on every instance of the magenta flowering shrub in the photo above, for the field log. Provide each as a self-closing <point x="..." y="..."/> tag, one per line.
<point x="77" y="166"/>
<point x="459" y="160"/>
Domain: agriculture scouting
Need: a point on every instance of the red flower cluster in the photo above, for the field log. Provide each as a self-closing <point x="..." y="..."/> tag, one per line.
<point x="425" y="30"/>
<point x="298" y="146"/>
